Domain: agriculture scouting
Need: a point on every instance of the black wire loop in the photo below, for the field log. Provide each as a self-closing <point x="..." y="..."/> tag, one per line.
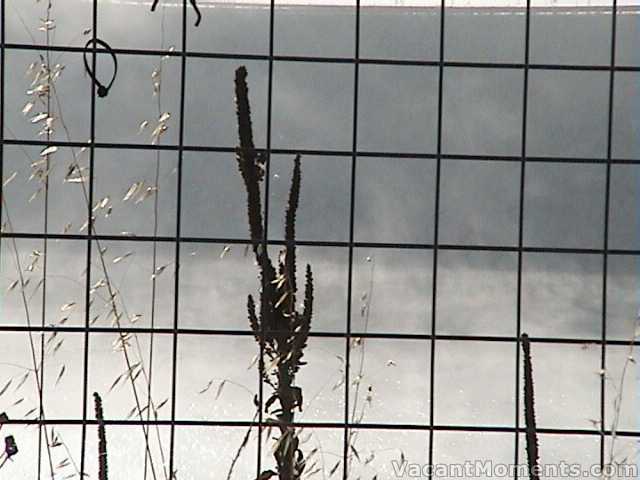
<point x="193" y="4"/>
<point x="103" y="90"/>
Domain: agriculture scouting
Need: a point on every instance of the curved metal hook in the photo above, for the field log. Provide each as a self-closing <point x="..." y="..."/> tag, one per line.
<point x="103" y="90"/>
<point x="193" y="4"/>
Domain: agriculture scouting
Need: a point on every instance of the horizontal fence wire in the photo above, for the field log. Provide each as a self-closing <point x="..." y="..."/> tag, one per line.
<point x="329" y="60"/>
<point x="328" y="425"/>
<point x="326" y="153"/>
<point x="321" y="243"/>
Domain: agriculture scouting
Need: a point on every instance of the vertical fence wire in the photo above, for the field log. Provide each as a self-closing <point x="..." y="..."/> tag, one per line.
<point x="265" y="239"/>
<point x="2" y="128"/>
<point x="605" y="255"/>
<point x="90" y="230"/>
<point x="436" y="240"/>
<point x="352" y="190"/>
<point x="523" y="166"/>
<point x="176" y="283"/>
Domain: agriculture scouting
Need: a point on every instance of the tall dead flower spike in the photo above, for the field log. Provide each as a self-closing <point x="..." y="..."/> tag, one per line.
<point x="529" y="412"/>
<point x="279" y="328"/>
<point x="102" y="439"/>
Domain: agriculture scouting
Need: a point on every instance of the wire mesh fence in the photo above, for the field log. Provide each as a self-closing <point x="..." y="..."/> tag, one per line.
<point x="468" y="174"/>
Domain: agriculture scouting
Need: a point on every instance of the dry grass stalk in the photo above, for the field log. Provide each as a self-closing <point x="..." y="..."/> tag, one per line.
<point x="44" y="93"/>
<point x="619" y="388"/>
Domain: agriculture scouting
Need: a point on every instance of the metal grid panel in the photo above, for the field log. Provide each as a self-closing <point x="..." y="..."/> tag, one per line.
<point x="433" y="338"/>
